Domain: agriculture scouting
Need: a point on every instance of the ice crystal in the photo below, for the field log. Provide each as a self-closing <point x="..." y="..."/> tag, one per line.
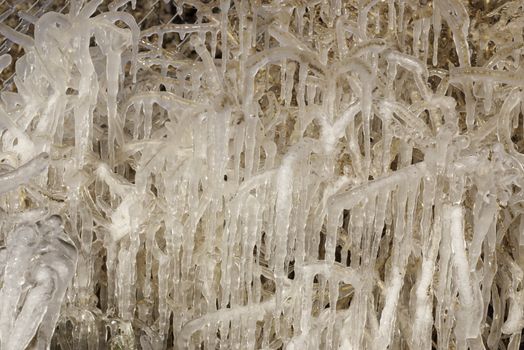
<point x="255" y="174"/>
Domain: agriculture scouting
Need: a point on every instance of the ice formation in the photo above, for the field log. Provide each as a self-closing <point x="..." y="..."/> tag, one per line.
<point x="256" y="174"/>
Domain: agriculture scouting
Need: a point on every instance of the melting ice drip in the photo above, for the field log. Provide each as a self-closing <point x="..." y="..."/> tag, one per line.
<point x="288" y="174"/>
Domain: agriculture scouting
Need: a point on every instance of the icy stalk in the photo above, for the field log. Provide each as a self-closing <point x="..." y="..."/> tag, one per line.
<point x="263" y="175"/>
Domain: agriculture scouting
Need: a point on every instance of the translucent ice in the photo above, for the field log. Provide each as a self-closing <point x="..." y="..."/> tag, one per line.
<point x="262" y="175"/>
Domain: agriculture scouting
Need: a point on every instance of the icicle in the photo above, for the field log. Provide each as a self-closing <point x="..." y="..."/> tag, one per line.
<point x="437" y="26"/>
<point x="224" y="9"/>
<point x="283" y="210"/>
<point x="288" y="84"/>
<point x="426" y="24"/>
<point x="283" y="79"/>
<point x="392" y="17"/>
<point x="148" y="119"/>
<point x="341" y="40"/>
<point x="216" y="82"/>
<point x="363" y="16"/>
<point x="113" y="73"/>
<point x="5" y="61"/>
<point x="386" y="142"/>
<point x="417" y="31"/>
<point x="422" y="327"/>
<point x="300" y="90"/>
<point x="135" y="34"/>
<point x="486" y="213"/>
<point x="400" y="25"/>
<point x="213" y="44"/>
<point x="250" y="141"/>
<point x="462" y="267"/>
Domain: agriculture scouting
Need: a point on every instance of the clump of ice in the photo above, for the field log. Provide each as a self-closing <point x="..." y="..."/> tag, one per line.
<point x="299" y="175"/>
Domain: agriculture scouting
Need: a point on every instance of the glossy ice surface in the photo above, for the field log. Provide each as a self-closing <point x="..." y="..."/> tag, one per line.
<point x="255" y="174"/>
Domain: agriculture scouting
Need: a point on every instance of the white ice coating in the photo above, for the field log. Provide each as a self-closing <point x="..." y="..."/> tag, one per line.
<point x="295" y="175"/>
<point x="40" y="263"/>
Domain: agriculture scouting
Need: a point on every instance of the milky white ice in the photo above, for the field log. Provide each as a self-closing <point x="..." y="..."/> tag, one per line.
<point x="312" y="174"/>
